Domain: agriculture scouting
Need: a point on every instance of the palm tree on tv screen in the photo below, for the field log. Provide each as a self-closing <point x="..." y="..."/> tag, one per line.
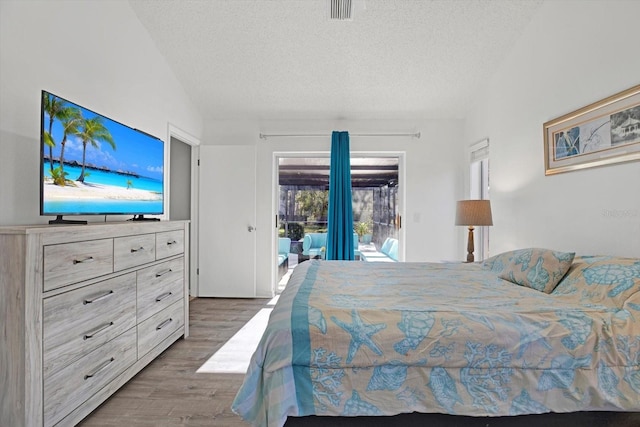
<point x="71" y="121"/>
<point x="92" y="131"/>
<point x="54" y="107"/>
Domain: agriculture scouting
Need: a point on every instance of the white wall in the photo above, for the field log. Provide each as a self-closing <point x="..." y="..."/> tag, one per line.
<point x="572" y="54"/>
<point x="434" y="178"/>
<point x="96" y="54"/>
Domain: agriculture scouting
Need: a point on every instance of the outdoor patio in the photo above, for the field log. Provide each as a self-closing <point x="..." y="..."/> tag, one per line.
<point x="304" y="185"/>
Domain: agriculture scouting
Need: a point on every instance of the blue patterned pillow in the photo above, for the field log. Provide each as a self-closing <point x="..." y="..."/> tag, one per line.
<point x="535" y="268"/>
<point x="495" y="263"/>
<point x="602" y="279"/>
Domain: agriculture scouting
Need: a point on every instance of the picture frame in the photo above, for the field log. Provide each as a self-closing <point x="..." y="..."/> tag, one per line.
<point x="603" y="133"/>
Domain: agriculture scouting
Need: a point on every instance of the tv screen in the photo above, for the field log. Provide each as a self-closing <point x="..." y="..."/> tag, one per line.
<point x="92" y="165"/>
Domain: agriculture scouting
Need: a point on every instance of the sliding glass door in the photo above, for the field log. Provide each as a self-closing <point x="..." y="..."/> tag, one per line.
<point x="302" y="188"/>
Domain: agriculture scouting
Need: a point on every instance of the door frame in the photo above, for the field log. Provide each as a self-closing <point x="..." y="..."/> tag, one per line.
<point x="275" y="197"/>
<point x="186" y="138"/>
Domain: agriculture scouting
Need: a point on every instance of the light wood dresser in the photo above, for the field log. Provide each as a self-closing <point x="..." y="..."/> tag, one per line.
<point x="83" y="308"/>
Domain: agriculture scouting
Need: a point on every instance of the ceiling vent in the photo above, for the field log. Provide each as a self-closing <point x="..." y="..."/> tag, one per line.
<point x="340" y="10"/>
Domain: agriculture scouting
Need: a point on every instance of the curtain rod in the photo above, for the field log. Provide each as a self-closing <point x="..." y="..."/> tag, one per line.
<point x="271" y="135"/>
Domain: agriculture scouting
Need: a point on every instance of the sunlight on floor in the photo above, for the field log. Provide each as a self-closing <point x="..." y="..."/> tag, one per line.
<point x="234" y="356"/>
<point x="274" y="300"/>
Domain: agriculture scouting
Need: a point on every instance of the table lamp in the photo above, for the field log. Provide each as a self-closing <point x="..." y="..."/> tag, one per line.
<point x="473" y="213"/>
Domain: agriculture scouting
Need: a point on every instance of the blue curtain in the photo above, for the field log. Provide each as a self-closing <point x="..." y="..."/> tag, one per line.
<point x="340" y="230"/>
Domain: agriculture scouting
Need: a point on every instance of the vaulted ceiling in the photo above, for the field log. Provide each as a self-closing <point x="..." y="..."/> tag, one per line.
<point x="285" y="60"/>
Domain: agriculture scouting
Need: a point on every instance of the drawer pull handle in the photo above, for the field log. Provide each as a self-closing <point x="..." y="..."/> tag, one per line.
<point x="98" y="298"/>
<point x="163" y="296"/>
<point x="162" y="273"/>
<point x="97" y="330"/>
<point x="163" y="324"/>
<point x="99" y="368"/>
<point x="173" y="242"/>
<point x="84" y="261"/>
<point x="140" y="249"/>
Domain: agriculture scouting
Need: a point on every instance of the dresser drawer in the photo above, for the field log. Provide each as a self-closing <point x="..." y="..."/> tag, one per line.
<point x="158" y="327"/>
<point x="70" y="387"/>
<point x="169" y="243"/>
<point x="132" y="251"/>
<point x="69" y="263"/>
<point x="159" y="286"/>
<point x="79" y="321"/>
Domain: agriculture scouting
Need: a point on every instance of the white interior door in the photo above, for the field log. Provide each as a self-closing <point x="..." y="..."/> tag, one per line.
<point x="227" y="255"/>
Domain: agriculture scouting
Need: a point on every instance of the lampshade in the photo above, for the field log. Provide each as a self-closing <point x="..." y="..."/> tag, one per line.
<point x="473" y="212"/>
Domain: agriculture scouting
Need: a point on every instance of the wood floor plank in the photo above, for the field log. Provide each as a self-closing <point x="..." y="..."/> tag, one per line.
<point x="169" y="392"/>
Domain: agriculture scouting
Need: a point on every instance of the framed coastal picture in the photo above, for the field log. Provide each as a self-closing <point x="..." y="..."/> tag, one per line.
<point x="603" y="133"/>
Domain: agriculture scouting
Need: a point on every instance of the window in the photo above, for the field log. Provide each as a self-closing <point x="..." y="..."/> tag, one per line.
<point x="479" y="189"/>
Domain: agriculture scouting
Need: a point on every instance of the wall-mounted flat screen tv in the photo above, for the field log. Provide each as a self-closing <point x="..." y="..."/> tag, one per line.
<point x="92" y="165"/>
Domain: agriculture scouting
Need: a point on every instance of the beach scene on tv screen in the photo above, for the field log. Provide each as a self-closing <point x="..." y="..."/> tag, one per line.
<point x="92" y="164"/>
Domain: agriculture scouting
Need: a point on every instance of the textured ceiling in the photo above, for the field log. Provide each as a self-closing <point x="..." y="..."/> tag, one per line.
<point x="277" y="59"/>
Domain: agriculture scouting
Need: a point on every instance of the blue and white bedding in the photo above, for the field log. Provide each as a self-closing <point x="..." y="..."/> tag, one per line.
<point x="355" y="338"/>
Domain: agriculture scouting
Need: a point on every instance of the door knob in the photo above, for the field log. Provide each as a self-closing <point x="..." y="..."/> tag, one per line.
<point x="250" y="228"/>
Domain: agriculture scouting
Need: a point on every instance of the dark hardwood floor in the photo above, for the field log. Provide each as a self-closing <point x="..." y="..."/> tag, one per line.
<point x="170" y="393"/>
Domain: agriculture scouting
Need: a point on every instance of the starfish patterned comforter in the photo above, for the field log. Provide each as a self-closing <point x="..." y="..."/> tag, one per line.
<point x="355" y="338"/>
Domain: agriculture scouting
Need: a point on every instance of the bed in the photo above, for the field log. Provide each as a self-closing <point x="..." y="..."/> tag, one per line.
<point x="527" y="332"/>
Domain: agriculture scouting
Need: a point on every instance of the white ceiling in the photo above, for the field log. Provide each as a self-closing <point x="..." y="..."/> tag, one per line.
<point x="284" y="59"/>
